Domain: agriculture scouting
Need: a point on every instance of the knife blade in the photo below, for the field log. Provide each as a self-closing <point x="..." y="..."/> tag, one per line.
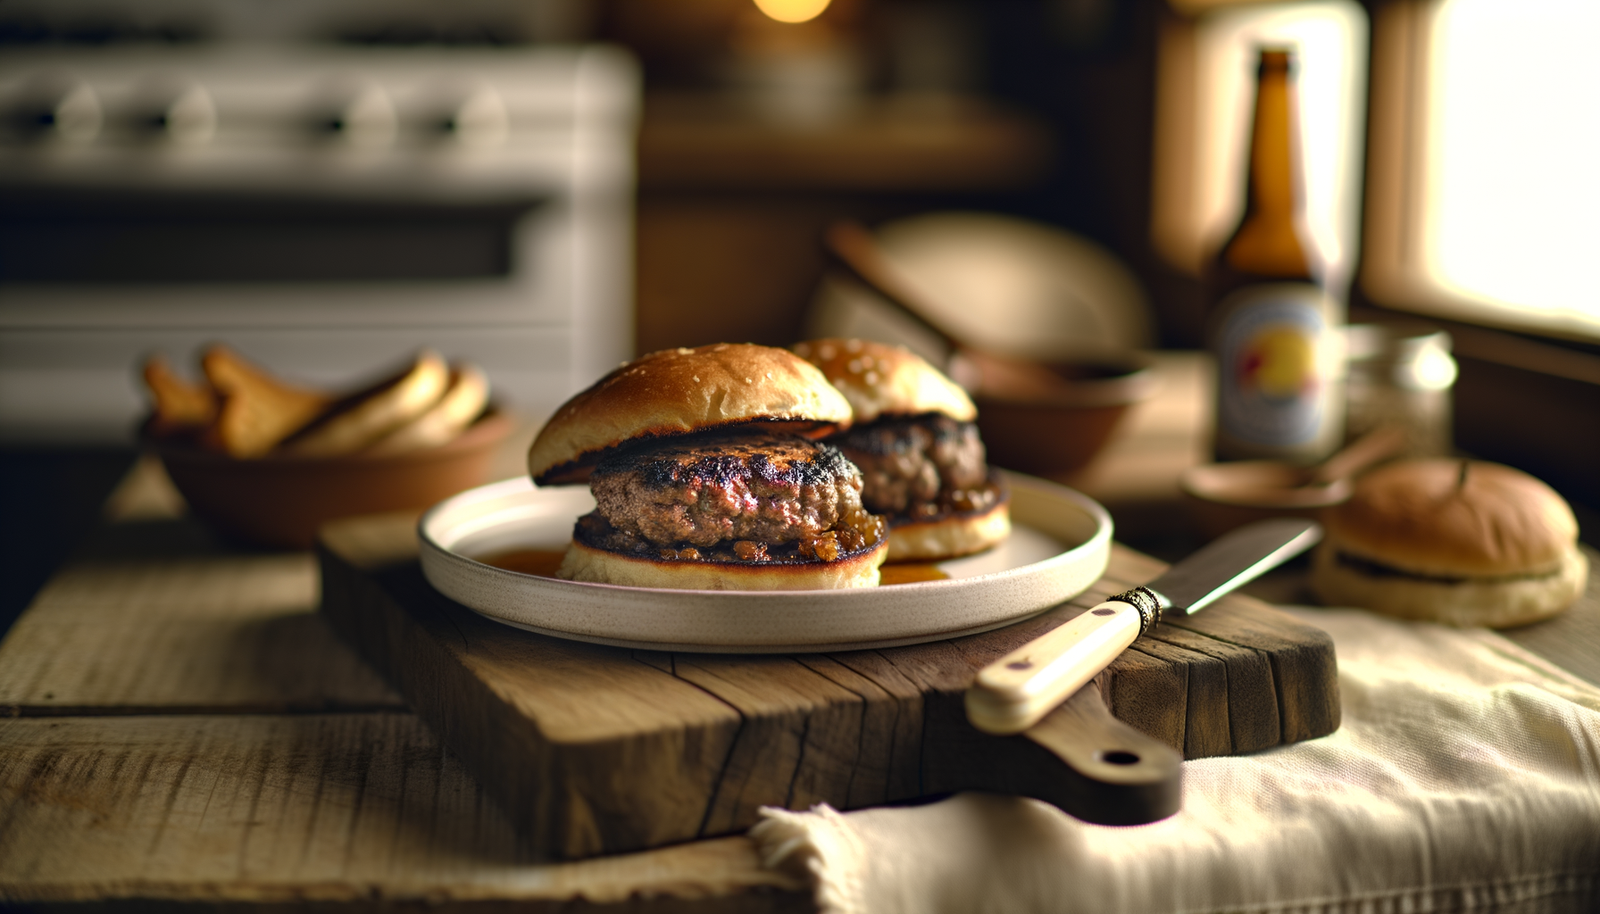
<point x="1016" y="691"/>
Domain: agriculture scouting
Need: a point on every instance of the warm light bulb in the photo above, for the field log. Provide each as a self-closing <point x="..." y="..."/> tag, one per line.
<point x="793" y="10"/>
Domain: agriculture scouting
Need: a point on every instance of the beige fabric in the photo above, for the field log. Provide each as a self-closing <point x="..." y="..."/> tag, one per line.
<point x="1466" y="775"/>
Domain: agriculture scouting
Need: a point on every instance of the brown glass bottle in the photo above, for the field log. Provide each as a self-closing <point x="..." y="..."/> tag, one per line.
<point x="1272" y="327"/>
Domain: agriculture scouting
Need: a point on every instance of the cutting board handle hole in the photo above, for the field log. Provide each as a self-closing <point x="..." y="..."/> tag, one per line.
<point x="1119" y="757"/>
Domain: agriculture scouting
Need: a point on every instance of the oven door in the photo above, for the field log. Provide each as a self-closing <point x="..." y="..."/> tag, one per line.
<point x="324" y="262"/>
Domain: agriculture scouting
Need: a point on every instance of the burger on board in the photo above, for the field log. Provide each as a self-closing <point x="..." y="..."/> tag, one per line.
<point x="707" y="474"/>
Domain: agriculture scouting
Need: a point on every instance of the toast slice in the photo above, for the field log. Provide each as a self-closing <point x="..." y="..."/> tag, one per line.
<point x="362" y="418"/>
<point x="463" y="402"/>
<point x="258" y="411"/>
<point x="181" y="407"/>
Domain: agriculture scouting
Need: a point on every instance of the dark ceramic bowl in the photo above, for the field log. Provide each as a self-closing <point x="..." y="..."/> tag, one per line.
<point x="281" y="501"/>
<point x="1057" y="427"/>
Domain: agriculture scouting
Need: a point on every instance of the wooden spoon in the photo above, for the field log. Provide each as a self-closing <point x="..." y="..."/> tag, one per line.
<point x="858" y="253"/>
<point x="1378" y="444"/>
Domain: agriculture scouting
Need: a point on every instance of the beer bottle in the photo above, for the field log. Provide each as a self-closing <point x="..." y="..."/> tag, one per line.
<point x="1272" y="327"/>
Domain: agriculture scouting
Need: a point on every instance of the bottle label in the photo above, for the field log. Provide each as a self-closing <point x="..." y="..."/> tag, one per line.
<point x="1275" y="365"/>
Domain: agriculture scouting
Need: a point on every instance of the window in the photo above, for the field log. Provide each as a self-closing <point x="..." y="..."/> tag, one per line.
<point x="1484" y="192"/>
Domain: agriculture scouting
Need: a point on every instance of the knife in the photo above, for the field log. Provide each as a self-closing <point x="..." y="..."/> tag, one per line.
<point x="1016" y="691"/>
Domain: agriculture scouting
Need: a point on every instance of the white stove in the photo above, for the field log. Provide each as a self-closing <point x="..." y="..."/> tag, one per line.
<point x="325" y="211"/>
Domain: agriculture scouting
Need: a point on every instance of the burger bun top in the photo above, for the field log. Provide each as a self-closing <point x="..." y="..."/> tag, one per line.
<point x="1455" y="518"/>
<point x="678" y="391"/>
<point x="883" y="380"/>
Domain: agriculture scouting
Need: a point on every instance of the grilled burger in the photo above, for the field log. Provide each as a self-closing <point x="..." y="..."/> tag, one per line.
<point x="922" y="462"/>
<point x="707" y="474"/>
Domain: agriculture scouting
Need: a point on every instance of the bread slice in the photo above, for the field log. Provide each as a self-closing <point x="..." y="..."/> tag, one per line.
<point x="257" y="410"/>
<point x="180" y="406"/>
<point x="361" y="419"/>
<point x="463" y="401"/>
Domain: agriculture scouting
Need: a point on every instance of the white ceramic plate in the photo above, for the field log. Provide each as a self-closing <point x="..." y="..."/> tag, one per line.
<point x="1059" y="545"/>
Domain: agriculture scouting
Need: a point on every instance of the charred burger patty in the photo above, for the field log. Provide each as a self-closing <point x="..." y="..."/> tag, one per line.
<point x="736" y="496"/>
<point x="921" y="466"/>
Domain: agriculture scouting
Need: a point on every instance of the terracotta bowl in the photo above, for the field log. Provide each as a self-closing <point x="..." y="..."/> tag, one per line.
<point x="1057" y="428"/>
<point x="1222" y="496"/>
<point x="282" y="501"/>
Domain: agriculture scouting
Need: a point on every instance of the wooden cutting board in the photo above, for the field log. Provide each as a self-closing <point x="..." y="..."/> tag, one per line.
<point x="596" y="749"/>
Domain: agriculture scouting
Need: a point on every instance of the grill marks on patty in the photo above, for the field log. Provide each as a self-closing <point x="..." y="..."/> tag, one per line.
<point x="921" y="466"/>
<point x="723" y="488"/>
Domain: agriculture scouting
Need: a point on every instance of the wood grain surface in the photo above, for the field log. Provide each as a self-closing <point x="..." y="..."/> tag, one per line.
<point x="156" y="617"/>
<point x="1572" y="639"/>
<point x="179" y="726"/>
<point x="304" y="808"/>
<point x="597" y="749"/>
<point x="198" y="737"/>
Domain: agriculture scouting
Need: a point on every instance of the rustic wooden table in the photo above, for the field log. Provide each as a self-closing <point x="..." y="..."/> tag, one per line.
<point x="177" y="725"/>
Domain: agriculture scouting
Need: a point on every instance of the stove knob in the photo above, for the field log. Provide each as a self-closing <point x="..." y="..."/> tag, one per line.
<point x="185" y="117"/>
<point x="363" y="118"/>
<point x="479" y="120"/>
<point x="57" y="109"/>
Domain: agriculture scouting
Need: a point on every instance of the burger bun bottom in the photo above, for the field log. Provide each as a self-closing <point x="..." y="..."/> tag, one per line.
<point x="597" y="566"/>
<point x="949" y="537"/>
<point x="1495" y="602"/>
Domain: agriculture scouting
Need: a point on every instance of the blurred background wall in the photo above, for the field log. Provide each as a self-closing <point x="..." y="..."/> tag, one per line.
<point x="1120" y="120"/>
<point x="757" y="125"/>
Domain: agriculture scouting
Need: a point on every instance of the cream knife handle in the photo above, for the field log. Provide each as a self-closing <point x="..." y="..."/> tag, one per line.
<point x="1016" y="691"/>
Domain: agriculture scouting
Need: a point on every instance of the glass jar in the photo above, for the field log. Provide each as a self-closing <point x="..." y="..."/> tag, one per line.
<point x="1402" y="373"/>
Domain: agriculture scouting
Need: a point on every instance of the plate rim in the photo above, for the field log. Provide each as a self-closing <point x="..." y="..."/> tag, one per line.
<point x="441" y="566"/>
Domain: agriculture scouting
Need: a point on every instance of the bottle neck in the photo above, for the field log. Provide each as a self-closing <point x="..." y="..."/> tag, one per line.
<point x="1267" y="242"/>
<point x="1273" y="195"/>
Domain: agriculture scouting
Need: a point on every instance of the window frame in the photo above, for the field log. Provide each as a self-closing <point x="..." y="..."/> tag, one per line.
<point x="1393" y="272"/>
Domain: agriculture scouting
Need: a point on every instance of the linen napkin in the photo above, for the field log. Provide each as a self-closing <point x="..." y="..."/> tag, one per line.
<point x="1465" y="776"/>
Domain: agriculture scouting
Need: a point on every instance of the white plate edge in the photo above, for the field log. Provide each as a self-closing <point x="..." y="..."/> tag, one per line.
<point x="441" y="565"/>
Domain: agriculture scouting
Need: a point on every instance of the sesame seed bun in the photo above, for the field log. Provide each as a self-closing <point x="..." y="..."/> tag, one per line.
<point x="678" y="391"/>
<point x="883" y="380"/>
<point x="1461" y="542"/>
